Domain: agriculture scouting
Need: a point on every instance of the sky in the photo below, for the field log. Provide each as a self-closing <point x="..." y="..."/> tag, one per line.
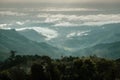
<point x="59" y="1"/>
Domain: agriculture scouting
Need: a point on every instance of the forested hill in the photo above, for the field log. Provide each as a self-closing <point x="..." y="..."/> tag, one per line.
<point x="12" y="40"/>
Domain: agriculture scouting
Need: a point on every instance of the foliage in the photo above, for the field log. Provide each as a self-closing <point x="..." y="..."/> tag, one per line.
<point x="34" y="67"/>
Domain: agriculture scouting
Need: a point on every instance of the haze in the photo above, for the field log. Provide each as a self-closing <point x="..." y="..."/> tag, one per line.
<point x="59" y="1"/>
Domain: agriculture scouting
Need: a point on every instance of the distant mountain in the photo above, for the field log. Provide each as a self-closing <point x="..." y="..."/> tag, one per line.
<point x="12" y="40"/>
<point x="4" y="55"/>
<point x="78" y="37"/>
<point x="107" y="50"/>
<point x="96" y="35"/>
<point x="32" y="35"/>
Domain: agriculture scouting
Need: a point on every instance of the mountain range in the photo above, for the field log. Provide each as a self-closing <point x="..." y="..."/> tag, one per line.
<point x="103" y="41"/>
<point x="32" y="35"/>
<point x="12" y="40"/>
<point x="106" y="50"/>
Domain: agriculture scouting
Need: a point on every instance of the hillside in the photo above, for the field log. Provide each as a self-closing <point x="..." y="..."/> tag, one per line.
<point x="12" y="40"/>
<point x="107" y="50"/>
<point x="86" y="36"/>
<point x="32" y="35"/>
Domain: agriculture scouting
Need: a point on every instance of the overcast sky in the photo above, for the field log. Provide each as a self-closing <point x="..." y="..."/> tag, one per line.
<point x="62" y="3"/>
<point x="59" y="1"/>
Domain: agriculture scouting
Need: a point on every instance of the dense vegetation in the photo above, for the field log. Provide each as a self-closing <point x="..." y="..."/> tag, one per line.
<point x="34" y="67"/>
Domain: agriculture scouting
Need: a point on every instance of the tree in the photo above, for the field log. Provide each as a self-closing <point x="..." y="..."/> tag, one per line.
<point x="37" y="72"/>
<point x="17" y="74"/>
<point x="88" y="68"/>
<point x="12" y="55"/>
<point x="4" y="77"/>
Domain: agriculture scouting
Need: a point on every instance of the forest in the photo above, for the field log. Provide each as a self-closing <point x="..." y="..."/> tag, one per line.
<point x="35" y="67"/>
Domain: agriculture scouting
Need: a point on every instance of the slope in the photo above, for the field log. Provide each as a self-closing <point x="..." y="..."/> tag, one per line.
<point x="107" y="50"/>
<point x="12" y="40"/>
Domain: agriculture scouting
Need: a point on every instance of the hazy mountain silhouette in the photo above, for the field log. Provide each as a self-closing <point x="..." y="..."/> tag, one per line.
<point x="107" y="50"/>
<point x="12" y="40"/>
<point x="33" y="35"/>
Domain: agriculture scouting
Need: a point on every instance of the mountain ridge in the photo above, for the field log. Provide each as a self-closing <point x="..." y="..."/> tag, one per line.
<point x="12" y="40"/>
<point x="32" y="35"/>
<point x="107" y="50"/>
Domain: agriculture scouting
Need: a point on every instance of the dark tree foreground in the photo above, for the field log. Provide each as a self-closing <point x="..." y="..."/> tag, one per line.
<point x="28" y="67"/>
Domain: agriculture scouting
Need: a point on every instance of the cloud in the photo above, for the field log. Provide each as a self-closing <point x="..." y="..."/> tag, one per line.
<point x="43" y="15"/>
<point x="49" y="33"/>
<point x="4" y="26"/>
<point x="66" y="9"/>
<point x="51" y="20"/>
<point x="11" y="13"/>
<point x="71" y="34"/>
<point x="20" y="23"/>
<point x="68" y="24"/>
<point x="81" y="20"/>
<point x="97" y="20"/>
<point x="99" y="23"/>
<point x="79" y="33"/>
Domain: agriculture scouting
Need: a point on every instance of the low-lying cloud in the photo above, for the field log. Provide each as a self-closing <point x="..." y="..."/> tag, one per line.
<point x="79" y="33"/>
<point x="81" y="20"/>
<point x="4" y="26"/>
<point x="49" y="33"/>
<point x="65" y="9"/>
<point x="19" y="23"/>
<point x="11" y="13"/>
